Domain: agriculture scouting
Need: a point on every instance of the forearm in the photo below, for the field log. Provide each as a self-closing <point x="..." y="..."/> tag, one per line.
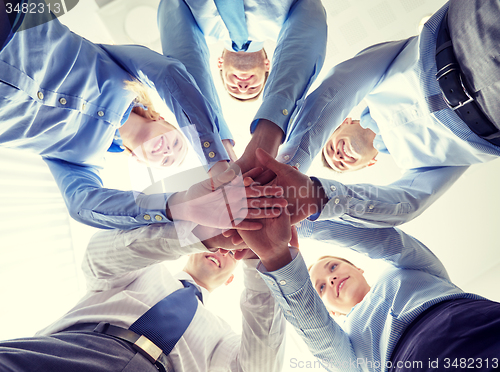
<point x="304" y="310"/>
<point x="384" y="206"/>
<point x="113" y="256"/>
<point x="263" y="329"/>
<point x="297" y="60"/>
<point x="88" y="202"/>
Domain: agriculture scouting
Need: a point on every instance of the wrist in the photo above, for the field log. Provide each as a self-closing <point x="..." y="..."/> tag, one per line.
<point x="267" y="136"/>
<point x="278" y="258"/>
<point x="320" y="197"/>
<point x="175" y="199"/>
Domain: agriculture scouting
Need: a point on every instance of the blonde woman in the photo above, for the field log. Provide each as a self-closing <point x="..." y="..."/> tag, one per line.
<point x="70" y="101"/>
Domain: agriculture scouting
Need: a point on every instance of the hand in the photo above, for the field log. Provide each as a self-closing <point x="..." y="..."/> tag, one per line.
<point x="225" y="201"/>
<point x="271" y="242"/>
<point x="213" y="239"/>
<point x="241" y="254"/>
<point x="303" y="195"/>
<point x="267" y="136"/>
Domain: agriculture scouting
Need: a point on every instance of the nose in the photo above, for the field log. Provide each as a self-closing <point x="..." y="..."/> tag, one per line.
<point x="243" y="86"/>
<point x="332" y="280"/>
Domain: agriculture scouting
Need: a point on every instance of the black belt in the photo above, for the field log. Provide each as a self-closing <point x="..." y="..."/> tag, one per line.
<point x="455" y="91"/>
<point x="140" y="343"/>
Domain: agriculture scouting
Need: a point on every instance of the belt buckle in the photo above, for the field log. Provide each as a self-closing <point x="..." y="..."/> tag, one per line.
<point x="446" y="70"/>
<point x="148" y="348"/>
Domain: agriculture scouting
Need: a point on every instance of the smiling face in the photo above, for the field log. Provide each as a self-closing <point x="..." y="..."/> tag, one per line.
<point x="350" y="147"/>
<point x="244" y="74"/>
<point x="339" y="284"/>
<point x="155" y="143"/>
<point x="211" y="270"/>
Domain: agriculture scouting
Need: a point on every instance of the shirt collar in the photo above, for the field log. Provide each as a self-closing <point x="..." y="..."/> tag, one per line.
<point x="182" y="275"/>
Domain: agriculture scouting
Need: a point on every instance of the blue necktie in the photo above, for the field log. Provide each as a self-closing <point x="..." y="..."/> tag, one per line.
<point x="232" y="13"/>
<point x="165" y="323"/>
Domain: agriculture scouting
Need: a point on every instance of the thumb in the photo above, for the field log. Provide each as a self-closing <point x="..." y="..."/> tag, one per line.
<point x="268" y="161"/>
<point x="222" y="178"/>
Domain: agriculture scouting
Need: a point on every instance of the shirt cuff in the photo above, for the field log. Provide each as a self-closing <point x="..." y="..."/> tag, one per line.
<point x="338" y="202"/>
<point x="290" y="278"/>
<point x="251" y="276"/>
<point x="277" y="110"/>
<point x="213" y="150"/>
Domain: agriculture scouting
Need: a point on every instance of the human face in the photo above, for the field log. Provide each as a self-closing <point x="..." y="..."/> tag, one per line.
<point x="159" y="144"/>
<point x="243" y="74"/>
<point x="339" y="284"/>
<point x="211" y="270"/>
<point x="350" y="147"/>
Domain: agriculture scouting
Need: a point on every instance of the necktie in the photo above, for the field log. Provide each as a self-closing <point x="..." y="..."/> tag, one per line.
<point x="165" y="323"/>
<point x="232" y="13"/>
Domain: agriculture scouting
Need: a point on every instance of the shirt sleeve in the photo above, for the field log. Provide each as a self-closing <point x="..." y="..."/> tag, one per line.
<point x="370" y="205"/>
<point x="304" y="310"/>
<point x="114" y="258"/>
<point x="297" y="60"/>
<point x="325" y="109"/>
<point x="89" y="203"/>
<point x="389" y="244"/>
<point x="179" y="91"/>
<point x="182" y="39"/>
<point x="262" y="344"/>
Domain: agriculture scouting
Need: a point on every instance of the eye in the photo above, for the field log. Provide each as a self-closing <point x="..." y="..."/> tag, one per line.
<point x="231" y="253"/>
<point x="321" y="289"/>
<point x="176" y="142"/>
<point x="333" y="267"/>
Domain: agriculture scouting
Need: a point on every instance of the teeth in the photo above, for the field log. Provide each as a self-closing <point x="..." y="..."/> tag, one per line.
<point x="213" y="259"/>
<point x="160" y="144"/>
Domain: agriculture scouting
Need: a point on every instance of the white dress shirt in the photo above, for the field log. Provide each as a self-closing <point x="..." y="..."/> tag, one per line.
<point x="125" y="278"/>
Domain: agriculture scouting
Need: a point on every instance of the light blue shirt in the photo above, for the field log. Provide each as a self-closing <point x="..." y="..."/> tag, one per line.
<point x="63" y="97"/>
<point x="406" y="110"/>
<point x="299" y="27"/>
<point x="365" y="341"/>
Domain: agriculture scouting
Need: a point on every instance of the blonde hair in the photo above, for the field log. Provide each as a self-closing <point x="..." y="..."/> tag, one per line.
<point x="143" y="98"/>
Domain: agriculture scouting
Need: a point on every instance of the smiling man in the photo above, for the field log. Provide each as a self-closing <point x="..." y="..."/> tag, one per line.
<point x="298" y="27"/>
<point x="137" y="316"/>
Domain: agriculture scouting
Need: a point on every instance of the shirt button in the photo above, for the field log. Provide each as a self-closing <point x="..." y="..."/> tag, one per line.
<point x="282" y="282"/>
<point x="333" y="188"/>
<point x="62" y="101"/>
<point x="147" y="217"/>
<point x="83" y="106"/>
<point x="40" y="95"/>
<point x="297" y="165"/>
<point x="336" y="200"/>
<point x="286" y="157"/>
<point x="309" y="124"/>
<point x="206" y="144"/>
<point x="285" y="112"/>
<point x="158" y="217"/>
<point x="211" y="154"/>
<point x="289" y="312"/>
<point x="371" y="206"/>
<point x="100" y="113"/>
<point x="116" y="137"/>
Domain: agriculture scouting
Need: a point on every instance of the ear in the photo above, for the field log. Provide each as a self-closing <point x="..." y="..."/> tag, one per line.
<point x="360" y="270"/>
<point x="267" y="64"/>
<point x="372" y="162"/>
<point x="220" y="62"/>
<point x="229" y="280"/>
